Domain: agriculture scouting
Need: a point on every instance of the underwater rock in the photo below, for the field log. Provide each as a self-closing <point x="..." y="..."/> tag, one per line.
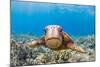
<point x="40" y="59"/>
<point x="22" y="55"/>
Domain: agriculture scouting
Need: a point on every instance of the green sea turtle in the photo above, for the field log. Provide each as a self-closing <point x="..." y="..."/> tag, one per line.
<point x="55" y="39"/>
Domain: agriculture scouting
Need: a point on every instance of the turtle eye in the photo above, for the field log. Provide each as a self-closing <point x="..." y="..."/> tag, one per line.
<point x="45" y="30"/>
<point x="60" y="29"/>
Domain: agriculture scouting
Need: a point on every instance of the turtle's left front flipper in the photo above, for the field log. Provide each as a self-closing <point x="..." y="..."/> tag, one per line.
<point x="74" y="47"/>
<point x="70" y="44"/>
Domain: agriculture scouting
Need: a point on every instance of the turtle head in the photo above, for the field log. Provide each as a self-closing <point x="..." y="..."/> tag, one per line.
<point x="53" y="37"/>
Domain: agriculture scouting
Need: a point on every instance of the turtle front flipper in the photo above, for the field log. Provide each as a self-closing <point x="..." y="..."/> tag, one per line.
<point x="74" y="47"/>
<point x="68" y="43"/>
<point x="35" y="43"/>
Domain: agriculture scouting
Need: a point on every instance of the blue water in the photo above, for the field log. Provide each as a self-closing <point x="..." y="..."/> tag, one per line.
<point x="32" y="17"/>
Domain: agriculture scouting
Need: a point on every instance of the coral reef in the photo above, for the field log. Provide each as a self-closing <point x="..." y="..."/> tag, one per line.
<point x="22" y="55"/>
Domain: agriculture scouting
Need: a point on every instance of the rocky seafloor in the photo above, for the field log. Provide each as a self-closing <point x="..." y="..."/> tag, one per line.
<point x="22" y="55"/>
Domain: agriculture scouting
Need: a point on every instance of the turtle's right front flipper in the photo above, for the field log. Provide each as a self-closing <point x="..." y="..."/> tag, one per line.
<point x="32" y="44"/>
<point x="35" y="43"/>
